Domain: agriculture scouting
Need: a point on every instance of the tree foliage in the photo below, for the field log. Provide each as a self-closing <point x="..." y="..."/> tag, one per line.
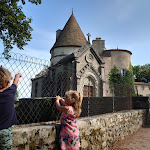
<point x="121" y="85"/>
<point x="16" y="96"/>
<point x="142" y="73"/>
<point x="15" y="28"/>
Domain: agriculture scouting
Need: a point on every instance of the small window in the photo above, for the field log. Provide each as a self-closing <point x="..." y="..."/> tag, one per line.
<point x="123" y="72"/>
<point x="142" y="87"/>
<point x="149" y="87"/>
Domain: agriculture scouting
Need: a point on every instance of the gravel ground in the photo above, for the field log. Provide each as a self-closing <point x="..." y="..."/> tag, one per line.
<point x="139" y="140"/>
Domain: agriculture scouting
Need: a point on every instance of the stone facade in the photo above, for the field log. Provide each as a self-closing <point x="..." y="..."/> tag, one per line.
<point x="116" y="57"/>
<point x="91" y="62"/>
<point x="96" y="133"/>
<point x="142" y="88"/>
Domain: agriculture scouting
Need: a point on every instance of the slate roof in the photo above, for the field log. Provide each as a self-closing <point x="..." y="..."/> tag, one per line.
<point x="71" y="35"/>
<point x="119" y="50"/>
<point x="141" y="83"/>
<point x="106" y="53"/>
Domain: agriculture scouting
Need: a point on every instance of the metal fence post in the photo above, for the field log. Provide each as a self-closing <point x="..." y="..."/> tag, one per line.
<point x="113" y="99"/>
<point x="130" y="98"/>
<point x="88" y="106"/>
<point x="89" y="98"/>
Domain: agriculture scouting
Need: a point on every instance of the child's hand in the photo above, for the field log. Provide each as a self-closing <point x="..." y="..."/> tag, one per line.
<point x="58" y="97"/>
<point x="18" y="75"/>
<point x="16" y="79"/>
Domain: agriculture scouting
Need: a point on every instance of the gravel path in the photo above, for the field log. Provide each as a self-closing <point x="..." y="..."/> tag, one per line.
<point x="140" y="140"/>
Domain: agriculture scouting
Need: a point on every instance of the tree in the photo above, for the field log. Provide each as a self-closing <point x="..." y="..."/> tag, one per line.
<point x="115" y="81"/>
<point x="115" y="76"/>
<point x="142" y="73"/>
<point x="121" y="84"/>
<point x="15" y="28"/>
<point x="43" y="72"/>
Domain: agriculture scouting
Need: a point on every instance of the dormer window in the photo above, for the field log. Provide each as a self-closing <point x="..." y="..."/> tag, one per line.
<point x="123" y="72"/>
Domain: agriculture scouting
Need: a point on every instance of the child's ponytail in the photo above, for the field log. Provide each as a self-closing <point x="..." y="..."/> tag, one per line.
<point x="80" y="102"/>
<point x="77" y="104"/>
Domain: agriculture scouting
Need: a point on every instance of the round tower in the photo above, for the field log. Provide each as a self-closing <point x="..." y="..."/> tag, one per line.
<point x="120" y="58"/>
<point x="68" y="40"/>
<point x="114" y="57"/>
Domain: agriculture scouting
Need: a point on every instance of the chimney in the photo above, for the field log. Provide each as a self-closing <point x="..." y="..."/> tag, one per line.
<point x="58" y="33"/>
<point x="98" y="45"/>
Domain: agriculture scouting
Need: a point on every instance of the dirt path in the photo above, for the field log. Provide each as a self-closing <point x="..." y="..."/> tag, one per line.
<point x="140" y="140"/>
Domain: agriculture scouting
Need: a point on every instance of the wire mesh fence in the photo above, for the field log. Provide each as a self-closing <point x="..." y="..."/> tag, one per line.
<point x="40" y="83"/>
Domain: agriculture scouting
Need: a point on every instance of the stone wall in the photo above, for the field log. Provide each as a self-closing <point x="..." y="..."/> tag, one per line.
<point x="96" y="133"/>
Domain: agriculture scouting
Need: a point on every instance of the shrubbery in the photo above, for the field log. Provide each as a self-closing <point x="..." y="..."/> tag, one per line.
<point x="122" y="85"/>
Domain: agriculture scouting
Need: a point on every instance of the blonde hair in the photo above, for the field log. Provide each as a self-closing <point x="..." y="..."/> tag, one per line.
<point x="77" y="103"/>
<point x="5" y="77"/>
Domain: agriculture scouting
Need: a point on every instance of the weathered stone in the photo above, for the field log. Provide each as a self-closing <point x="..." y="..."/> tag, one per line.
<point x="97" y="133"/>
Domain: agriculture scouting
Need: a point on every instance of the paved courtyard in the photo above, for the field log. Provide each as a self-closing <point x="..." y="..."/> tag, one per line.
<point x="140" y="140"/>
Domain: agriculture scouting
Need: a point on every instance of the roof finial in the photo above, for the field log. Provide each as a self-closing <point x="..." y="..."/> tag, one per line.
<point x="88" y="37"/>
<point x="72" y="11"/>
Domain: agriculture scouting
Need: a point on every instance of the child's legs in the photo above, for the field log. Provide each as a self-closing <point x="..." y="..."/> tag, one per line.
<point x="6" y="139"/>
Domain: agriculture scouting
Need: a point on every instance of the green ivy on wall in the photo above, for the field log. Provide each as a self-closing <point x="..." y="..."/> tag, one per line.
<point x="121" y="85"/>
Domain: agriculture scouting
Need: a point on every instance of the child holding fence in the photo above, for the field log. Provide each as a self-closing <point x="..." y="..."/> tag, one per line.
<point x="69" y="134"/>
<point x="7" y="110"/>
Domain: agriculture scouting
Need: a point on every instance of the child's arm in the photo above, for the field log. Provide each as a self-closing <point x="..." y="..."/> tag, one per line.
<point x="16" y="79"/>
<point x="62" y="101"/>
<point x="59" y="107"/>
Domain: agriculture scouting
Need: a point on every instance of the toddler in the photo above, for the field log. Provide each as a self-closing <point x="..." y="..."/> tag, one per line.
<point x="69" y="134"/>
<point x="7" y="110"/>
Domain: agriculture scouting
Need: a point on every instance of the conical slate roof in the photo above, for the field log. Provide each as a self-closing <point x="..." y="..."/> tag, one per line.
<point x="71" y="35"/>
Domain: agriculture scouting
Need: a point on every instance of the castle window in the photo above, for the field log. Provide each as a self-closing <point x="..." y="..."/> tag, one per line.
<point x="123" y="72"/>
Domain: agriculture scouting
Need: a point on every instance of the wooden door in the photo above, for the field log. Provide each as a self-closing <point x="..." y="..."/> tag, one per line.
<point x="87" y="91"/>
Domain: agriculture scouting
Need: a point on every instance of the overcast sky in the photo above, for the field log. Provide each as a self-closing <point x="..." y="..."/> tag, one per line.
<point x="121" y="23"/>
